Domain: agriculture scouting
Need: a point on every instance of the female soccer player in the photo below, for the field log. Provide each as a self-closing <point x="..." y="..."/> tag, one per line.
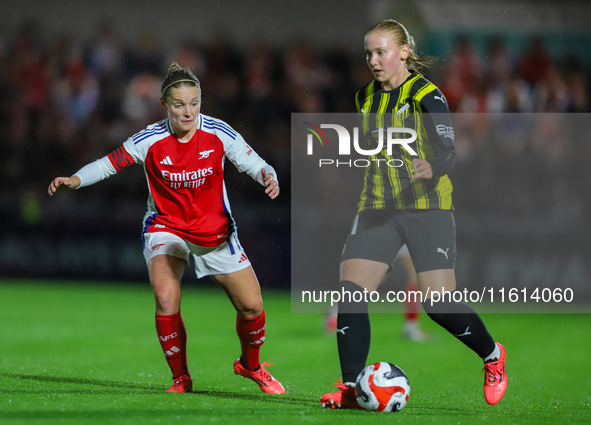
<point x="410" y="204"/>
<point x="189" y="216"/>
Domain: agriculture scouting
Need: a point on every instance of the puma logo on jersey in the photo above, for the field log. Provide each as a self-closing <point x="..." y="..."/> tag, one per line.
<point x="205" y="154"/>
<point x="166" y="161"/>
<point x="440" y="98"/>
<point x="443" y="252"/>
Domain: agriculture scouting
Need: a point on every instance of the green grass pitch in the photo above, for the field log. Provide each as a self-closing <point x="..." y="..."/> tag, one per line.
<point x="87" y="354"/>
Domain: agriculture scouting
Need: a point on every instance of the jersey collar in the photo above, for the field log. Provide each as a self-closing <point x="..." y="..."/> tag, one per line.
<point x="378" y="85"/>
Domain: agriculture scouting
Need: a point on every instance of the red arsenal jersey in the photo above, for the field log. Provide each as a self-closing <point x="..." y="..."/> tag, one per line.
<point x="186" y="179"/>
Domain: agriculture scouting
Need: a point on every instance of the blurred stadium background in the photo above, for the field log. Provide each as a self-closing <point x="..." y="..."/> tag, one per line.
<point x="78" y="78"/>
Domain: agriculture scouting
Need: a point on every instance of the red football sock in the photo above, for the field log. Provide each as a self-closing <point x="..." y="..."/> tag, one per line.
<point x="252" y="335"/>
<point x="173" y="339"/>
<point x="412" y="306"/>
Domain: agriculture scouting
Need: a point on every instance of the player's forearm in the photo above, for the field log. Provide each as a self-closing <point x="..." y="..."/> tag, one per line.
<point x="94" y="172"/>
<point x="443" y="162"/>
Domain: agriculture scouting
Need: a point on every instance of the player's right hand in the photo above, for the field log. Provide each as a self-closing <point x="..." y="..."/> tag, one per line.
<point x="270" y="181"/>
<point x="60" y="183"/>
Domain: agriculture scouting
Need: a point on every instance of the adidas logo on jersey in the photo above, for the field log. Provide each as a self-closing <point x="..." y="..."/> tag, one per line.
<point x="242" y="258"/>
<point x="166" y="161"/>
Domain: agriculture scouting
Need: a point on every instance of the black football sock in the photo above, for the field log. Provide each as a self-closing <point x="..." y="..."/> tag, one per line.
<point x="353" y="332"/>
<point x="464" y="323"/>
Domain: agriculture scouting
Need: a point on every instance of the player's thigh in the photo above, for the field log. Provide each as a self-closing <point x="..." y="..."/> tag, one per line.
<point x="164" y="268"/>
<point x="167" y="257"/>
<point x="228" y="265"/>
<point x="431" y="238"/>
<point x="367" y="274"/>
<point x="405" y="260"/>
<point x="436" y="281"/>
<point x="243" y="290"/>
<point x="370" y="249"/>
<point x="165" y="273"/>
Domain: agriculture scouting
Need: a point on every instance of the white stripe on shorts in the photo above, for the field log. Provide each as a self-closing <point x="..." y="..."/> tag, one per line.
<point x="354" y="229"/>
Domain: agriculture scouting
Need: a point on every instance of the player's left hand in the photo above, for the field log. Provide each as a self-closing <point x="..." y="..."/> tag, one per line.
<point x="421" y="169"/>
<point x="271" y="183"/>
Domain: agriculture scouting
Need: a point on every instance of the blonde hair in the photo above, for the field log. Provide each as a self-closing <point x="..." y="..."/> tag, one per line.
<point x="401" y="36"/>
<point x="179" y="77"/>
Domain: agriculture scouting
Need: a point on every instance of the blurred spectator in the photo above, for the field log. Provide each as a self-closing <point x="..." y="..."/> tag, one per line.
<point x="146" y="58"/>
<point x="499" y="66"/>
<point x="261" y="68"/>
<point x="517" y="96"/>
<point x="464" y="62"/>
<point x="77" y="92"/>
<point x="578" y="94"/>
<point x="105" y="54"/>
<point x="307" y="78"/>
<point x="141" y="101"/>
<point x="536" y="64"/>
<point x="550" y="95"/>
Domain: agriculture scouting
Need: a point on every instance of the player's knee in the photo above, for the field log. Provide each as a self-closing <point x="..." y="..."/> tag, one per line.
<point x="352" y="298"/>
<point x="348" y="286"/>
<point x="250" y="310"/>
<point x="168" y="299"/>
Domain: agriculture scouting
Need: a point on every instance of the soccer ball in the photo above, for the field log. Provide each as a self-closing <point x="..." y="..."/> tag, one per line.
<point x="382" y="387"/>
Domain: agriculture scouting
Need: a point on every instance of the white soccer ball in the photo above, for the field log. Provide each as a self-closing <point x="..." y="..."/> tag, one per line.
<point x="382" y="387"/>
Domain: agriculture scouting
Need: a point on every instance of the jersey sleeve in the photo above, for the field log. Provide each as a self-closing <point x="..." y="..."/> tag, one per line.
<point x="359" y="101"/>
<point x="440" y="131"/>
<point x="362" y="95"/>
<point x="120" y="158"/>
<point x="136" y="151"/>
<point x="132" y="151"/>
<point x="244" y="158"/>
<point x="105" y="167"/>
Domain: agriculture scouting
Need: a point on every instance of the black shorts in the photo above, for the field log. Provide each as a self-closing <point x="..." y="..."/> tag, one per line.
<point x="378" y="235"/>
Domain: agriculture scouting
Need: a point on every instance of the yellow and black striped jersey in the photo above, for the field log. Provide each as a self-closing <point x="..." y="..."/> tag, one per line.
<point x="416" y="104"/>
